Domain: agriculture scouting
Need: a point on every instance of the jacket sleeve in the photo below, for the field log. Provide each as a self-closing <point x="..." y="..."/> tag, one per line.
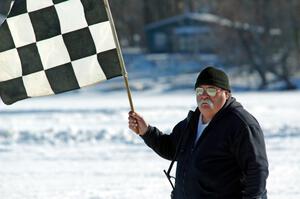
<point x="164" y="144"/>
<point x="250" y="152"/>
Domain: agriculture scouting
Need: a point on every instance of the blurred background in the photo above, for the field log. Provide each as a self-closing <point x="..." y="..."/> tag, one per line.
<point x="77" y="145"/>
<point x="257" y="41"/>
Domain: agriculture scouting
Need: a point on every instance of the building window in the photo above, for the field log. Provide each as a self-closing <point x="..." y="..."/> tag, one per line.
<point x="191" y="39"/>
<point x="160" y="41"/>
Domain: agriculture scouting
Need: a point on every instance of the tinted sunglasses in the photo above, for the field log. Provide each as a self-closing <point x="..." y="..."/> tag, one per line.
<point x="211" y="91"/>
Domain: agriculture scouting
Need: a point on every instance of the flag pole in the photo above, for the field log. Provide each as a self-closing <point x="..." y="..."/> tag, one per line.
<point x="120" y="56"/>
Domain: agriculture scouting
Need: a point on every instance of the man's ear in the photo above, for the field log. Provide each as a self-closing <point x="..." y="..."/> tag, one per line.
<point x="228" y="95"/>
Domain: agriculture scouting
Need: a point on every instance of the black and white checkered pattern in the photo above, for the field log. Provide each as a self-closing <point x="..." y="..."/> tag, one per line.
<point x="52" y="46"/>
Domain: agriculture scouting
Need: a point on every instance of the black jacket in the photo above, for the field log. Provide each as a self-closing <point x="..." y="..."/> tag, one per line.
<point x="229" y="160"/>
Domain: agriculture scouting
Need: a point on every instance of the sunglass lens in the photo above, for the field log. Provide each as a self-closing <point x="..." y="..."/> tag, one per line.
<point x="199" y="91"/>
<point x="211" y="91"/>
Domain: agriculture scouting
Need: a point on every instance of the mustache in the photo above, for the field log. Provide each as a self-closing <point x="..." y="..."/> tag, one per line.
<point x="206" y="101"/>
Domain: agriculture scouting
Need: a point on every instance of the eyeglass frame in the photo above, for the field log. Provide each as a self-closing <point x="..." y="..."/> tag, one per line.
<point x="207" y="92"/>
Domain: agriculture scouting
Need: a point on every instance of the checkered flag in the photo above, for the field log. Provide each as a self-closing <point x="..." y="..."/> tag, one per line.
<point x="52" y="46"/>
<point x="5" y="7"/>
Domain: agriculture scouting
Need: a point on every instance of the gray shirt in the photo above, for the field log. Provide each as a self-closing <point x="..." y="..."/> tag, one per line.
<point x="201" y="127"/>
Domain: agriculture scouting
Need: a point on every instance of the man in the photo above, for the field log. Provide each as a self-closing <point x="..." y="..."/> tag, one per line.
<point x="219" y="148"/>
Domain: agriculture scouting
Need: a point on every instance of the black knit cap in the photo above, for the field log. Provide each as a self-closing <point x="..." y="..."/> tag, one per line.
<point x="213" y="76"/>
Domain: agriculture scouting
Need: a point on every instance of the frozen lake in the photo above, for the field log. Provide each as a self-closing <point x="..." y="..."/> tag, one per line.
<point x="78" y="146"/>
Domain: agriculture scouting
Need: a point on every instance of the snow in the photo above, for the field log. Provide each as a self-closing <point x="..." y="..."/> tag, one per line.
<point x="78" y="145"/>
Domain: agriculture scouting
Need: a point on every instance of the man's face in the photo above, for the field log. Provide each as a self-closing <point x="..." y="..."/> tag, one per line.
<point x="210" y="99"/>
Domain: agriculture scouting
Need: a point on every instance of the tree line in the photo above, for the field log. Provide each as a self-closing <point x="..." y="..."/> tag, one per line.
<point x="267" y="43"/>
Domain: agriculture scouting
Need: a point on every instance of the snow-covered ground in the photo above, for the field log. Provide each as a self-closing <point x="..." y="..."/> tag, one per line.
<point x="78" y="146"/>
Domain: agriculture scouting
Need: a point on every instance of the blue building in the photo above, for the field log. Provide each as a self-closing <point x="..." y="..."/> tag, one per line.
<point x="186" y="33"/>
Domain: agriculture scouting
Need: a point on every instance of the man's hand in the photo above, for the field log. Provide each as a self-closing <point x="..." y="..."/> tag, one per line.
<point x="137" y="123"/>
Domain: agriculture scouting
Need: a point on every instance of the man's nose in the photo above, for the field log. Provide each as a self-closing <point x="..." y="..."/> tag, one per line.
<point x="204" y="96"/>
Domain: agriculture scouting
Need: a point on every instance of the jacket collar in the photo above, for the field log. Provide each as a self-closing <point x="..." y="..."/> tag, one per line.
<point x="194" y="115"/>
<point x="193" y="118"/>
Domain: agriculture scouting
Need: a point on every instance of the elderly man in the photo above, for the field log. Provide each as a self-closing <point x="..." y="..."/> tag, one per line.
<point x="219" y="147"/>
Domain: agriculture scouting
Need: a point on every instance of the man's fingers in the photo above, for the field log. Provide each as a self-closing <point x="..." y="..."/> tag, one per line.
<point x="133" y="123"/>
<point x="136" y="122"/>
<point x="135" y="115"/>
<point x="132" y="120"/>
<point x="134" y="127"/>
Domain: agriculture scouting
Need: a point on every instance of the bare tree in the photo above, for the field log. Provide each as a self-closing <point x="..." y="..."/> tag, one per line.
<point x="266" y="40"/>
<point x="263" y="41"/>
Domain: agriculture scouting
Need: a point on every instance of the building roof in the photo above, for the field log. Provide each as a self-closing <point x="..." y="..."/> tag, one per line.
<point x="202" y="17"/>
<point x="213" y="19"/>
